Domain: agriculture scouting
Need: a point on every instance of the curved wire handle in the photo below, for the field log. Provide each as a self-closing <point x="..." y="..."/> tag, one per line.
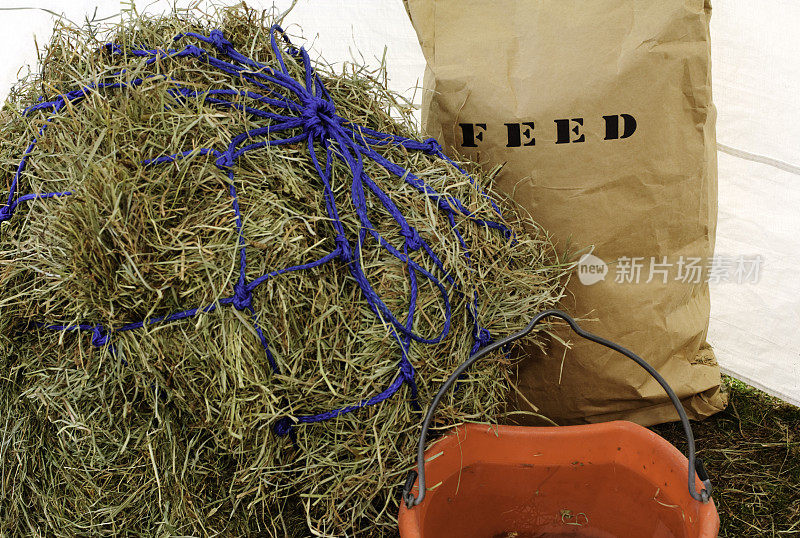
<point x="695" y="464"/>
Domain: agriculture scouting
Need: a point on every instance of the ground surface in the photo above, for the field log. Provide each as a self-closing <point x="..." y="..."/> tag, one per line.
<point x="752" y="454"/>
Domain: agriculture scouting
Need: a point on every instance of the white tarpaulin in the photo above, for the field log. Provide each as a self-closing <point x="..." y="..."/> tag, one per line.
<point x="755" y="326"/>
<point x="756" y="67"/>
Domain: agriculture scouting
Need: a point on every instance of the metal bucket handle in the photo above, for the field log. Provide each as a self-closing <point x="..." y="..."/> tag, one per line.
<point x="695" y="464"/>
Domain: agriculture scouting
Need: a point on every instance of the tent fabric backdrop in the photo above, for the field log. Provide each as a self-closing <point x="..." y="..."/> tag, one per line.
<point x="755" y="326"/>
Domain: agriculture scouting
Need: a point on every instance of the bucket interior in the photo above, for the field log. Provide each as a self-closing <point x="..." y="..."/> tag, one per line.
<point x="500" y="501"/>
<point x="593" y="481"/>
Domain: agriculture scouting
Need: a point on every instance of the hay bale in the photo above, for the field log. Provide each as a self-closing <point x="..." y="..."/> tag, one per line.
<point x="122" y="411"/>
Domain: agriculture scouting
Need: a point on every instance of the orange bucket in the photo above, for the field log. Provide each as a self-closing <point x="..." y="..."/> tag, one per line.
<point x="611" y="480"/>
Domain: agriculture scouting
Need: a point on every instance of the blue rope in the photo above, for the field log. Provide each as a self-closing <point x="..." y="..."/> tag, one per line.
<point x="309" y="110"/>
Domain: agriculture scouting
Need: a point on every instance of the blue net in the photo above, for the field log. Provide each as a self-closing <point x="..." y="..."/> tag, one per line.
<point x="307" y="116"/>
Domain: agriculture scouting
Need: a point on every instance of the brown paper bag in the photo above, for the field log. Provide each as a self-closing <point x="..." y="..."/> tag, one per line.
<point x="601" y="111"/>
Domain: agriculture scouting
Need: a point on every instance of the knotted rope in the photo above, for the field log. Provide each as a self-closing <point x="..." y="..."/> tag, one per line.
<point x="309" y="117"/>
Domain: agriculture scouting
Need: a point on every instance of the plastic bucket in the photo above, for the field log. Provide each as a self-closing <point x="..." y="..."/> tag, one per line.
<point x="611" y="480"/>
<point x="616" y="479"/>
